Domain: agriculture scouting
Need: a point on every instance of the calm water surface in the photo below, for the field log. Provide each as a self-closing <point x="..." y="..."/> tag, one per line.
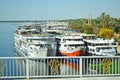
<point x="7" y="38"/>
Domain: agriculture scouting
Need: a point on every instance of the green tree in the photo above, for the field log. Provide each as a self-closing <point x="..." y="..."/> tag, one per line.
<point x="103" y="21"/>
<point x="117" y="29"/>
<point x="106" y="33"/>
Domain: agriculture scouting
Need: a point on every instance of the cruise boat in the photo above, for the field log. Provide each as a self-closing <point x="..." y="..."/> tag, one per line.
<point x="99" y="46"/>
<point x="69" y="44"/>
<point x="30" y="42"/>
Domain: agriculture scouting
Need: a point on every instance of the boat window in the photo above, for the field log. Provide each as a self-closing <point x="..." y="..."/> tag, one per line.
<point x="81" y="44"/>
<point x="105" y="44"/>
<point x="92" y="44"/>
<point x="65" y="45"/>
<point x="41" y="46"/>
<point x="97" y="49"/>
<point x="77" y="39"/>
<point x="48" y="46"/>
<point x="71" y="45"/>
<point x="88" y="43"/>
<point x="97" y="44"/>
<point x="69" y="40"/>
<point x="113" y="43"/>
<point x="64" y="40"/>
<point x="57" y="39"/>
<point x="23" y="33"/>
<point x="58" y="44"/>
<point x="89" y="49"/>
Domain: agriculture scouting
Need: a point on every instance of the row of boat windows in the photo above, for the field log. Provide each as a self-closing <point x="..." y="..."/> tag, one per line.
<point x="77" y="45"/>
<point x="98" y="49"/>
<point x="73" y="45"/>
<point x="40" y="46"/>
<point x="58" y="40"/>
<point x="30" y="32"/>
<point x="92" y="50"/>
<point x="72" y="39"/>
<point x="89" y="37"/>
<point x="103" y="44"/>
<point x="39" y="40"/>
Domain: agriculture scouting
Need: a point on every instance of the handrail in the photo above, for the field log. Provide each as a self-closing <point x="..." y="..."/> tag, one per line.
<point x="60" y="66"/>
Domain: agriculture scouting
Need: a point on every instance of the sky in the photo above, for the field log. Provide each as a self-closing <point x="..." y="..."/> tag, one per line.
<point x="57" y="9"/>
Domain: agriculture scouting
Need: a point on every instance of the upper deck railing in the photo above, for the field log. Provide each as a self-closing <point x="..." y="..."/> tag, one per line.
<point x="82" y="66"/>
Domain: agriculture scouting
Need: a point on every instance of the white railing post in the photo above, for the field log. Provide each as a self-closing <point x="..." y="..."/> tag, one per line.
<point x="27" y="68"/>
<point x="80" y="62"/>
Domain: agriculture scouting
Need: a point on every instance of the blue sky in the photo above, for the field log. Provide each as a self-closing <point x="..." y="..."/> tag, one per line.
<point x="56" y="9"/>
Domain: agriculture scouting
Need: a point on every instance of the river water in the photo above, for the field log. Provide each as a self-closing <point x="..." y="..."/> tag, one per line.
<point x="7" y="37"/>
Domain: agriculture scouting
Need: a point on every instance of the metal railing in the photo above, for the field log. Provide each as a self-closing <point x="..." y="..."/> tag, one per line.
<point x="82" y="66"/>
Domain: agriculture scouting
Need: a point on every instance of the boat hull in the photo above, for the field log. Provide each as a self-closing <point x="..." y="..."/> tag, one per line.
<point x="75" y="53"/>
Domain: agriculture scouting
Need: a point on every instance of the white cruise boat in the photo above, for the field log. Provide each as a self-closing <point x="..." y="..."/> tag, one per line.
<point x="99" y="46"/>
<point x="30" y="42"/>
<point x="70" y="44"/>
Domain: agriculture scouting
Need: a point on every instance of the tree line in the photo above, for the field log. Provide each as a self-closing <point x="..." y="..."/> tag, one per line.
<point x="92" y="25"/>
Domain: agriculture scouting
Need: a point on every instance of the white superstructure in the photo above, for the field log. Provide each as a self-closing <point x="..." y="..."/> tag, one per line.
<point x="99" y="46"/>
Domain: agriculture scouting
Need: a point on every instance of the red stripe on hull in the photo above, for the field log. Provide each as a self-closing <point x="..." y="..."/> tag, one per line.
<point x="76" y="53"/>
